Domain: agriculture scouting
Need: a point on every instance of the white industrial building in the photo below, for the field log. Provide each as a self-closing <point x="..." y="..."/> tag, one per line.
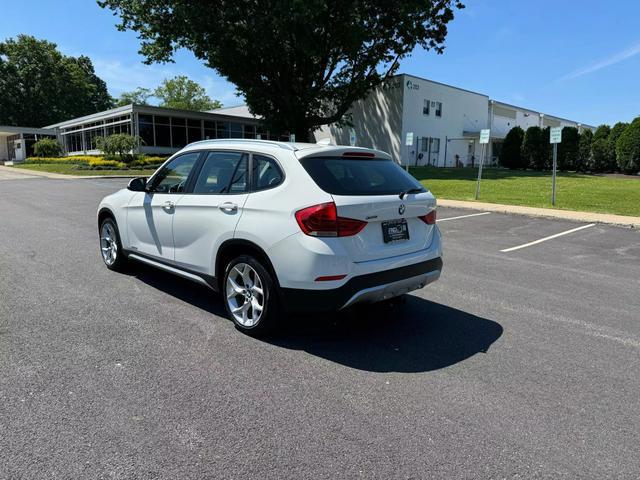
<point x="445" y="122"/>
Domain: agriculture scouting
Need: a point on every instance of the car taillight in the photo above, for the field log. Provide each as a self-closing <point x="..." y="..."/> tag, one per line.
<point x="429" y="218"/>
<point x="323" y="221"/>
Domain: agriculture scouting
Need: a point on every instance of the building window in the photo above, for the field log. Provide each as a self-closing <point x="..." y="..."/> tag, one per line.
<point x="438" y="109"/>
<point x="145" y="130"/>
<point x="162" y="129"/>
<point x="426" y="107"/>
<point x="235" y="130"/>
<point x="249" y="131"/>
<point x="194" y="130"/>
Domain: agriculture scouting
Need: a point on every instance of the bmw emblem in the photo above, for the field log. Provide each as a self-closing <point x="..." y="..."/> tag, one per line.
<point x="401" y="209"/>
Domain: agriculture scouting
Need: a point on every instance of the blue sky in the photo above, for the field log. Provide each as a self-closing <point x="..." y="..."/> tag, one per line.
<point x="579" y="60"/>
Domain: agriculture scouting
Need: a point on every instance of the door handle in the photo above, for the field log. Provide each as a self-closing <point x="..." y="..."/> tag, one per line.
<point x="168" y="205"/>
<point x="228" y="207"/>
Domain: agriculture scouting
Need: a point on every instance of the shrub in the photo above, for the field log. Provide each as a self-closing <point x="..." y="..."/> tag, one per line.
<point x="511" y="154"/>
<point x="600" y="153"/>
<point x="535" y="152"/>
<point x="47" y="147"/>
<point x="628" y="148"/>
<point x="616" y="131"/>
<point x="584" y="150"/>
<point x="120" y="145"/>
<point x="71" y="160"/>
<point x="569" y="150"/>
<point x="599" y="161"/>
<point x="147" y="162"/>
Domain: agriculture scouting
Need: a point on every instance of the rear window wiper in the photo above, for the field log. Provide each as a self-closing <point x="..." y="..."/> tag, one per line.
<point x="411" y="190"/>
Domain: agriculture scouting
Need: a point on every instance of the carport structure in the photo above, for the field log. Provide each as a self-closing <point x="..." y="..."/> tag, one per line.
<point x="16" y="143"/>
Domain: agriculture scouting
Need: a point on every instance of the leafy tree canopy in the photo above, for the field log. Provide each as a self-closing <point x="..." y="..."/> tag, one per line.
<point x="569" y="150"/>
<point x="511" y="154"/>
<point x="628" y="148"/>
<point x="299" y="63"/>
<point x="535" y="152"/>
<point x="39" y="86"/>
<point x="139" y="96"/>
<point x="181" y="92"/>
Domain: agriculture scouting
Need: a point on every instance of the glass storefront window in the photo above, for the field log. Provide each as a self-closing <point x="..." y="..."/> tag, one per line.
<point x="178" y="133"/>
<point x="163" y="135"/>
<point x="223" y="129"/>
<point x="235" y="130"/>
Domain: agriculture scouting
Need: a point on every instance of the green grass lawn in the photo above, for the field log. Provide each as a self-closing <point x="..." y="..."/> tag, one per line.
<point x="71" y="169"/>
<point x="575" y="191"/>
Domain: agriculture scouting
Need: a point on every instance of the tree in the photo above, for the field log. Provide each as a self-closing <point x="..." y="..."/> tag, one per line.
<point x="47" y="147"/>
<point x="628" y="148"/>
<point x="511" y="154"/>
<point x="119" y="145"/>
<point x="569" y="150"/>
<point x="183" y="93"/>
<point x="39" y="86"/>
<point x="534" y="149"/>
<point x="139" y="96"/>
<point x="584" y="149"/>
<point x="616" y="131"/>
<point x="300" y="64"/>
<point x="600" y="154"/>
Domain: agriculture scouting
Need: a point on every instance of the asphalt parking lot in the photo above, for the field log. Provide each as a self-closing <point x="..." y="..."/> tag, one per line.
<point x="516" y="364"/>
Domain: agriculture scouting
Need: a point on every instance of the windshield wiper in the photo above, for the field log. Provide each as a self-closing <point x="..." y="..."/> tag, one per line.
<point x="411" y="190"/>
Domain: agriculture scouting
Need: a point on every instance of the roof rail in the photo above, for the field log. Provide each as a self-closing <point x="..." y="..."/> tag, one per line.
<point x="284" y="145"/>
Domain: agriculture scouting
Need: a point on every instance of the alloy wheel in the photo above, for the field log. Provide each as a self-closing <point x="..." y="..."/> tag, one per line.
<point x="108" y="244"/>
<point x="245" y="295"/>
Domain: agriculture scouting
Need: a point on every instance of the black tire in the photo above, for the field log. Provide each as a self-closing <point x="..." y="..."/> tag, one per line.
<point x="271" y="312"/>
<point x="120" y="262"/>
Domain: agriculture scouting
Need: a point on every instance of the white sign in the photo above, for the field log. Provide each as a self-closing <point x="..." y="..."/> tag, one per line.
<point x="484" y="135"/>
<point x="352" y="137"/>
<point x="556" y="135"/>
<point x="409" y="140"/>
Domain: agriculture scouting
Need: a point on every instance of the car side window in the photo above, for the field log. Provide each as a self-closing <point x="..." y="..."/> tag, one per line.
<point x="223" y="173"/>
<point x="266" y="173"/>
<point x="172" y="177"/>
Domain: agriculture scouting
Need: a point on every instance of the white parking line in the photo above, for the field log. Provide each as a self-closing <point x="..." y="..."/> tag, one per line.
<point x="547" y="238"/>
<point x="463" y="216"/>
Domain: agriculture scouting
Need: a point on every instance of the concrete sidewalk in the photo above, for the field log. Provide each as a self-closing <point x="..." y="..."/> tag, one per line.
<point x="15" y="173"/>
<point x="589" y="217"/>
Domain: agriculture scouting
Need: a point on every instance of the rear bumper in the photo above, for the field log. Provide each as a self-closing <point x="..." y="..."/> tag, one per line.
<point x="368" y="288"/>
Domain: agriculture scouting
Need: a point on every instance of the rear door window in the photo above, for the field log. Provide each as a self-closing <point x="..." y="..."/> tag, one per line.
<point x="356" y="176"/>
<point x="223" y="173"/>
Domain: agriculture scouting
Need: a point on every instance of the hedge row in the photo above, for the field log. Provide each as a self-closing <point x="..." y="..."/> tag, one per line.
<point x="608" y="149"/>
<point x="98" y="163"/>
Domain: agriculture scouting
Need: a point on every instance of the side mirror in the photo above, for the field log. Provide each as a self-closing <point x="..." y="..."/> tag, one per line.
<point x="138" y="184"/>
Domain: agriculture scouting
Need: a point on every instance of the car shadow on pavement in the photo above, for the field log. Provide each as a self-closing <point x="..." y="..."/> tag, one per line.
<point x="413" y="335"/>
<point x="416" y="335"/>
<point x="180" y="288"/>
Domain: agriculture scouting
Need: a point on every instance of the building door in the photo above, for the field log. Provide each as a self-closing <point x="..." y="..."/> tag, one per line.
<point x="19" y="151"/>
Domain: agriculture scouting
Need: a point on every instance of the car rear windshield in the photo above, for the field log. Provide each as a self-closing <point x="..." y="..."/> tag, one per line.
<point x="359" y="176"/>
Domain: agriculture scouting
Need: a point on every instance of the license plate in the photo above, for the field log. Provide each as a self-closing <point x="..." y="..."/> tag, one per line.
<point x="395" y="230"/>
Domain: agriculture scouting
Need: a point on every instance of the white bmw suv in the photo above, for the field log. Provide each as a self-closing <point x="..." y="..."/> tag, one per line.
<point x="278" y="226"/>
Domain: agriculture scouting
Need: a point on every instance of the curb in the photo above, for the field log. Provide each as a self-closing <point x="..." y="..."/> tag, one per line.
<point x="575" y="216"/>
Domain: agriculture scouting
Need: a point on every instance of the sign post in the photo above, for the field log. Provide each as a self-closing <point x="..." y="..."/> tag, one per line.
<point x="555" y="137"/>
<point x="408" y="142"/>
<point x="485" y="134"/>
